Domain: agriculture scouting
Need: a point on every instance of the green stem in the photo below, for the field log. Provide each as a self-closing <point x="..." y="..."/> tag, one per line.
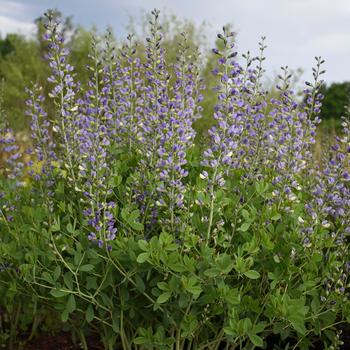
<point x="83" y="339"/>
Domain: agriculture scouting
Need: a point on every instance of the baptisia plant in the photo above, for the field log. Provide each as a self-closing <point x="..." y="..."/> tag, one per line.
<point x="124" y="227"/>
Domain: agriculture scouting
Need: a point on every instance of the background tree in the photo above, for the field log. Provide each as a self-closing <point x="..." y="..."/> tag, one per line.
<point x="22" y="62"/>
<point x="336" y="98"/>
<point x="21" y="65"/>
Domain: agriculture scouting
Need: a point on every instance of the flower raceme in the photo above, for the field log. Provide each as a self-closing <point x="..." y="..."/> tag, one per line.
<point x="148" y="108"/>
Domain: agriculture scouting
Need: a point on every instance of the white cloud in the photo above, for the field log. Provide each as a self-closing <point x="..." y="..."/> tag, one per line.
<point x="319" y="10"/>
<point x="9" y="8"/>
<point x="10" y="25"/>
<point x="13" y="18"/>
<point x="334" y="42"/>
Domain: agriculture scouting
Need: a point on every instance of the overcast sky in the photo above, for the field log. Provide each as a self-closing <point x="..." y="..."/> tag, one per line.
<point x="296" y="30"/>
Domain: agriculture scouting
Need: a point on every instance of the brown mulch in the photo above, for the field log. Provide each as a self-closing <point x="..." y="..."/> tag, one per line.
<point x="59" y="341"/>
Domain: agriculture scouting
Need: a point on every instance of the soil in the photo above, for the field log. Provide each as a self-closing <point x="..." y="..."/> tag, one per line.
<point x="345" y="337"/>
<point x="48" y="342"/>
<point x="60" y="341"/>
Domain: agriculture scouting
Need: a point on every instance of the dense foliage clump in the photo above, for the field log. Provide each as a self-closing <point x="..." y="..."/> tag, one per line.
<point x="115" y="222"/>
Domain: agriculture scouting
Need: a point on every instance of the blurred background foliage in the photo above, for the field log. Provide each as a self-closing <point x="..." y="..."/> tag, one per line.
<point x="22" y="62"/>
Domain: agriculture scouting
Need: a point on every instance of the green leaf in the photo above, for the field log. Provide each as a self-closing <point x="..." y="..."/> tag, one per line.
<point x="115" y="322"/>
<point x="47" y="277"/>
<point x="296" y="313"/>
<point x="328" y="318"/>
<point x="137" y="226"/>
<point x="177" y="267"/>
<point x="229" y="331"/>
<point x="70" y="228"/>
<point x="195" y="290"/>
<point x="71" y="304"/>
<point x="213" y="272"/>
<point x="246" y="215"/>
<point x="124" y="214"/>
<point x="298" y="324"/>
<point x="244" y="227"/>
<point x="91" y="282"/>
<point x="64" y="316"/>
<point x="143" y="257"/>
<point x="130" y="218"/>
<point x="259" y="327"/>
<point x="163" y="297"/>
<point x="139" y="284"/>
<point x="246" y="324"/>
<point x="252" y="274"/>
<point x="86" y="268"/>
<point x="117" y="180"/>
<point x="276" y="259"/>
<point x="271" y="276"/>
<point x="58" y="293"/>
<point x="68" y="280"/>
<point x="276" y="217"/>
<point x="143" y="245"/>
<point x="256" y="340"/>
<point x="316" y="257"/>
<point x="56" y="273"/>
<point x="77" y="258"/>
<point x="163" y="286"/>
<point x="55" y="226"/>
<point x="233" y="297"/>
<point x="140" y="340"/>
<point x="106" y="300"/>
<point x="134" y="215"/>
<point x="89" y="314"/>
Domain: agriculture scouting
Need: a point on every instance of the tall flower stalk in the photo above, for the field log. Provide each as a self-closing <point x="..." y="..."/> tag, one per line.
<point x="291" y="133"/>
<point x="177" y="133"/>
<point x="129" y="100"/>
<point x="64" y="95"/>
<point x="154" y="115"/>
<point x="95" y="153"/>
<point x="223" y="151"/>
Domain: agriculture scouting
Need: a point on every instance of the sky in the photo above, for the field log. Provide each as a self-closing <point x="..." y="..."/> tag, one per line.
<point x="296" y="30"/>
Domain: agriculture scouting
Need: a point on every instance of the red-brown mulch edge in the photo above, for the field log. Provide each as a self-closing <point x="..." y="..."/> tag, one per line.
<point x="59" y="341"/>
